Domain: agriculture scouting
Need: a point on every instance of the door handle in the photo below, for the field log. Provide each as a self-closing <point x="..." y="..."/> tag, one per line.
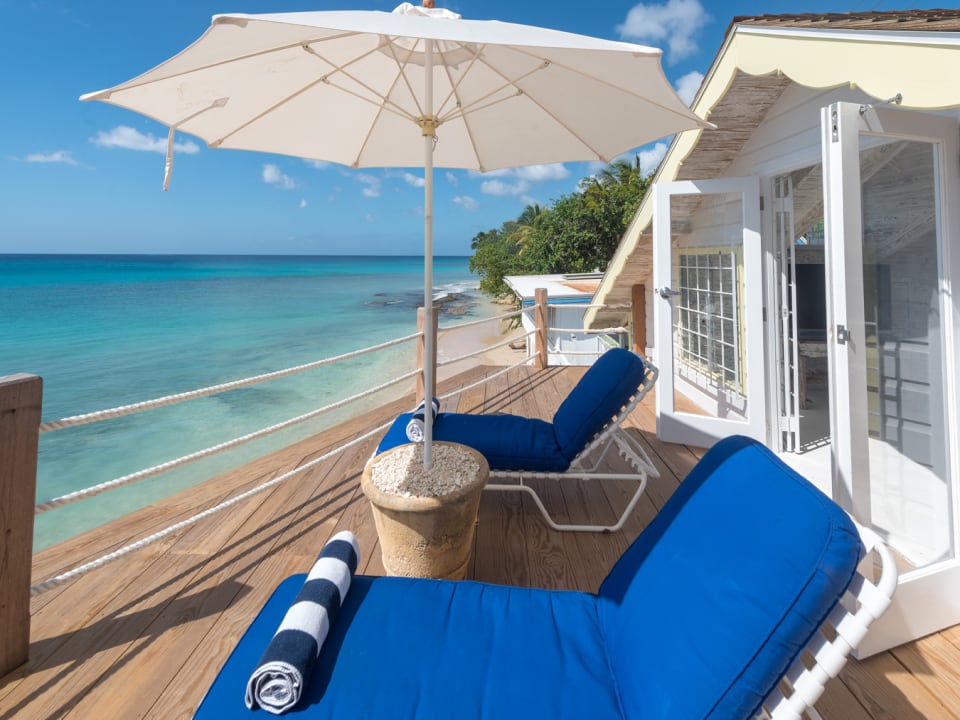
<point x="666" y="293"/>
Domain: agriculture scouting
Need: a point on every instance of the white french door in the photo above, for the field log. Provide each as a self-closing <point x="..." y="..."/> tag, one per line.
<point x="890" y="186"/>
<point x="709" y="310"/>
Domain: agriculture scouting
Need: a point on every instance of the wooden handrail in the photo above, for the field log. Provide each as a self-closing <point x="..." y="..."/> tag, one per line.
<point x="423" y="329"/>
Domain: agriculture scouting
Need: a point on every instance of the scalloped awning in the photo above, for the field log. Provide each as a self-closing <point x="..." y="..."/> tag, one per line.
<point x="754" y="66"/>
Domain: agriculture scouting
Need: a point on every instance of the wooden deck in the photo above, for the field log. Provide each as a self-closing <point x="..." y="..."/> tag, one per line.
<point x="144" y="636"/>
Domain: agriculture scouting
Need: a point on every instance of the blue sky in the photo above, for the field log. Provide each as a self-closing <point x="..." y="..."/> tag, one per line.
<point x="86" y="177"/>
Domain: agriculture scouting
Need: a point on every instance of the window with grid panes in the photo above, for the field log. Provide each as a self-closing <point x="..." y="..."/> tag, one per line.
<point x="707" y="315"/>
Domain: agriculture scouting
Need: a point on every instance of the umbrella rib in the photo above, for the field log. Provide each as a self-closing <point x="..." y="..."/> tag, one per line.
<point x="454" y="86"/>
<point x="384" y="102"/>
<point x="401" y="72"/>
<point x="544" y="64"/>
<point x="461" y="109"/>
<point x="599" y="80"/>
<point x="239" y="58"/>
<point x="387" y="102"/>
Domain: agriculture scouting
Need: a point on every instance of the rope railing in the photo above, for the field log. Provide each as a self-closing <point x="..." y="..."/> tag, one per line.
<point x="207" y="452"/>
<point x="483" y="350"/>
<point x="76" y="572"/>
<point x="223" y="387"/>
<point x="211" y="390"/>
<point x="608" y="307"/>
<point x="56" y="580"/>
<point x="555" y="351"/>
<point x="485" y="379"/>
<point x="592" y="331"/>
<point x="481" y="321"/>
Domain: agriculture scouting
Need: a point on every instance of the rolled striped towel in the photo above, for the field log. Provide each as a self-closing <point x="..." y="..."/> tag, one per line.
<point x="286" y="665"/>
<point x="415" y="428"/>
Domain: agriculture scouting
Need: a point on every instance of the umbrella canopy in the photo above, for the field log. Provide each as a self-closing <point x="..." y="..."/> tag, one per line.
<point x="358" y="88"/>
<point x="346" y="87"/>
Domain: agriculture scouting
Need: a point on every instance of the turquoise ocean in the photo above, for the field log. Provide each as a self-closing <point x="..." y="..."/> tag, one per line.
<point x="109" y="330"/>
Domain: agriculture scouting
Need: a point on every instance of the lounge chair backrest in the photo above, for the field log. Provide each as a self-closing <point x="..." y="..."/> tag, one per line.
<point x="726" y="585"/>
<point x="601" y="392"/>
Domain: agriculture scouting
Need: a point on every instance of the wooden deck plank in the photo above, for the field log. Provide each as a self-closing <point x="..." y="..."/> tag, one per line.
<point x="554" y="557"/>
<point x="888" y="690"/>
<point x="935" y="662"/>
<point x="197" y="670"/>
<point x="144" y="637"/>
<point x="500" y="555"/>
<point x="591" y="555"/>
<point x="469" y="400"/>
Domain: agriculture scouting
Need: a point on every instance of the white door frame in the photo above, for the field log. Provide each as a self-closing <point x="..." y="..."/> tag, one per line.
<point x="926" y="599"/>
<point x="693" y="429"/>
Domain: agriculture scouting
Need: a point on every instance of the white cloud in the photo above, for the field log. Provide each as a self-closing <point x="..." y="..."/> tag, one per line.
<point x="452" y="179"/>
<point x="502" y="172"/>
<point x="467" y="202"/>
<point x="413" y="180"/>
<point x="272" y="175"/>
<point x="688" y="85"/>
<point x="499" y="188"/>
<point x="517" y="181"/>
<point x="302" y="204"/>
<point x="317" y="164"/>
<point x="677" y="23"/>
<point x="57" y="156"/>
<point x="542" y="173"/>
<point x="372" y="183"/>
<point x="650" y="158"/>
<point x="127" y="138"/>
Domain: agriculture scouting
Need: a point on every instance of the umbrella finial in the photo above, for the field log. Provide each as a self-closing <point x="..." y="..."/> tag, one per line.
<point x="429" y="3"/>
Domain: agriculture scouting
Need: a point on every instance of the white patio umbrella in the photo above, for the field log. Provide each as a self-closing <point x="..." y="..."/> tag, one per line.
<point x="356" y="87"/>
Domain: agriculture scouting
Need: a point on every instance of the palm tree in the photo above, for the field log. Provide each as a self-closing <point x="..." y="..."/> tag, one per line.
<point x="526" y="225"/>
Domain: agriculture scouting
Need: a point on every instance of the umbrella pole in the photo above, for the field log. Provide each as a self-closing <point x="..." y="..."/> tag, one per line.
<point x="428" y="127"/>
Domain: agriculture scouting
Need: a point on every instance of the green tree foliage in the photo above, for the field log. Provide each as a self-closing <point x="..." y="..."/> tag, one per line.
<point x="578" y="233"/>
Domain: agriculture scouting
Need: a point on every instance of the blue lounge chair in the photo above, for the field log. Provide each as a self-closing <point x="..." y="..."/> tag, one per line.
<point x="585" y="427"/>
<point x="702" y="617"/>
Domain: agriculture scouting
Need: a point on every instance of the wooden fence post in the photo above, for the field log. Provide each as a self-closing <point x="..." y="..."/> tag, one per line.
<point x="421" y="349"/>
<point x="638" y="301"/>
<point x="20" y="401"/>
<point x="540" y="317"/>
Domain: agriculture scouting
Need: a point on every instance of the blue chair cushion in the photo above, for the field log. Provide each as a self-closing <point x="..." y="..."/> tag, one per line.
<point x="508" y="442"/>
<point x="599" y="395"/>
<point x="404" y="648"/>
<point x="710" y="605"/>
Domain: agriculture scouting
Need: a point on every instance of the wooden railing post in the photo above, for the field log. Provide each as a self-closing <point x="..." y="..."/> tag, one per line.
<point x="421" y="350"/>
<point x="540" y="317"/>
<point x="638" y="301"/>
<point x="20" y="401"/>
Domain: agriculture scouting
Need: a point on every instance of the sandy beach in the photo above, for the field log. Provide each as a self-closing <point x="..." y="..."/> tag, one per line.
<point x="455" y="342"/>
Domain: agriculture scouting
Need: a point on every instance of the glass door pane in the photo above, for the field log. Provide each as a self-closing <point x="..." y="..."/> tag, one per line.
<point x="708" y="319"/>
<point x="910" y="495"/>
<point x="709" y="310"/>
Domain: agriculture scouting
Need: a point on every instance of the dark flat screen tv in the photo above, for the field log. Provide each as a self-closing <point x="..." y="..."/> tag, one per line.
<point x="811" y="301"/>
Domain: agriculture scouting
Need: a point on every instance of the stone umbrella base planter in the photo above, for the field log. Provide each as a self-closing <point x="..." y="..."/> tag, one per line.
<point x="426" y="520"/>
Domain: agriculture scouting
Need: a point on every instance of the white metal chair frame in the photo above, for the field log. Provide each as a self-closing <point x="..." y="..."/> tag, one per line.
<point x="612" y="434"/>
<point x="863" y="602"/>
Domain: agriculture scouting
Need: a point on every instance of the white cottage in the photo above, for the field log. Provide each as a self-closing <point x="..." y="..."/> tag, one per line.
<point x="797" y="265"/>
<point x="568" y="299"/>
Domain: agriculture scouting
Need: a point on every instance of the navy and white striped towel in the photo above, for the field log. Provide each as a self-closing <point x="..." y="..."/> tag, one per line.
<point x="415" y="428"/>
<point x="287" y="663"/>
